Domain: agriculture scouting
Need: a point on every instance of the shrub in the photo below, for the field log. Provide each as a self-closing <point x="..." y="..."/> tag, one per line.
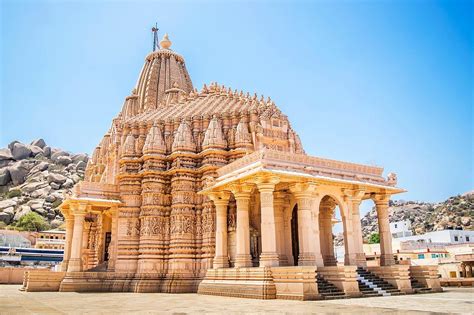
<point x="14" y="193"/>
<point x="374" y="238"/>
<point x="32" y="222"/>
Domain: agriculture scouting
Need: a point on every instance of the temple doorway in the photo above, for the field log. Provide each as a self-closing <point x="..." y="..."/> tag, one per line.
<point x="294" y="235"/>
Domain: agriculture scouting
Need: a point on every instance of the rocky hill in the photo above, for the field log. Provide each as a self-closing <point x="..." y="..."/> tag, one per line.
<point x="35" y="177"/>
<point x="457" y="211"/>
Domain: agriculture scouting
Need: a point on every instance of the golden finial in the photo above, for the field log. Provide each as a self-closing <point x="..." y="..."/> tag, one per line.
<point x="165" y="43"/>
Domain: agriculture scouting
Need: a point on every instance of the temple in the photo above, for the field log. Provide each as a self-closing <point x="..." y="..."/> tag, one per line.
<point x="211" y="191"/>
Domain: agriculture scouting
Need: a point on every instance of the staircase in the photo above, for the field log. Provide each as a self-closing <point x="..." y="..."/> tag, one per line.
<point x="328" y="290"/>
<point x="371" y="285"/>
<point x="418" y="287"/>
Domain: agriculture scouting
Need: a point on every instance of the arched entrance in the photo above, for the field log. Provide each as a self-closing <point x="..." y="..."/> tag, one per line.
<point x="294" y="235"/>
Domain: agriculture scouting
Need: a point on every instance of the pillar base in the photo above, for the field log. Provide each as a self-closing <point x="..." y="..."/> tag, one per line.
<point x="306" y="259"/>
<point x="243" y="261"/>
<point x="269" y="260"/>
<point x="387" y="260"/>
<point x="220" y="262"/>
<point x="74" y="265"/>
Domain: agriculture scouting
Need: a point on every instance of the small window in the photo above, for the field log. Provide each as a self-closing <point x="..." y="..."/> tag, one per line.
<point x="395" y="225"/>
<point x="456" y="239"/>
<point x="421" y="256"/>
<point x="434" y="256"/>
<point x="467" y="238"/>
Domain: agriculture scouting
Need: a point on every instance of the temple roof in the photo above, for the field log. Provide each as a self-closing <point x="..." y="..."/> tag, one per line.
<point x="212" y="100"/>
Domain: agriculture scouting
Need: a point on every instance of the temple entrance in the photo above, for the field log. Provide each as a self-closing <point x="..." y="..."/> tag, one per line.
<point x="294" y="235"/>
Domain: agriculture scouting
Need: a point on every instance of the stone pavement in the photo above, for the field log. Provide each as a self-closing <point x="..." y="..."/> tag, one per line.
<point x="12" y="301"/>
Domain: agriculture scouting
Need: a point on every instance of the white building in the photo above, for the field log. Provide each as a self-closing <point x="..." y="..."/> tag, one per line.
<point x="445" y="236"/>
<point x="401" y="229"/>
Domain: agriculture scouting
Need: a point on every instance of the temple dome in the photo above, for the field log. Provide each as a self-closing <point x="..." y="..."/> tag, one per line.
<point x="163" y="70"/>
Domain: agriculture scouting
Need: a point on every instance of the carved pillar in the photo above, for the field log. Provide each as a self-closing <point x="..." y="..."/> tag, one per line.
<point x="318" y="257"/>
<point x="326" y="212"/>
<point x="269" y="255"/>
<point x="349" y="241"/>
<point x="303" y="193"/>
<point x="113" y="240"/>
<point x="287" y="213"/>
<point x="279" y="204"/>
<point x="355" y="200"/>
<point x="221" y="201"/>
<point x="386" y="254"/>
<point x="67" y="247"/>
<point x="75" y="260"/>
<point x="243" y="258"/>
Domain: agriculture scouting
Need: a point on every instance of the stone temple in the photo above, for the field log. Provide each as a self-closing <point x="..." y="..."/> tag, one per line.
<point x="211" y="191"/>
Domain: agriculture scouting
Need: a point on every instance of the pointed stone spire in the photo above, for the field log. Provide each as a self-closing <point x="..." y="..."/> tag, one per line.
<point x="129" y="146"/>
<point x="214" y="137"/>
<point x="154" y="142"/>
<point x="183" y="139"/>
<point x="242" y="135"/>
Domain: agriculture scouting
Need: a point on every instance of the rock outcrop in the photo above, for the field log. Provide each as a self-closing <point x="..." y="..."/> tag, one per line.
<point x="455" y="212"/>
<point x="35" y="177"/>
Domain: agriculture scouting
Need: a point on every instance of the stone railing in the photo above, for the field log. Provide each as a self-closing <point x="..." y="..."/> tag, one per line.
<point x="311" y="165"/>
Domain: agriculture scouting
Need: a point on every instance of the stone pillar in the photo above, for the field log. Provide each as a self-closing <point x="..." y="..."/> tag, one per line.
<point x="463" y="270"/>
<point x="113" y="240"/>
<point x="279" y="204"/>
<point x="242" y="257"/>
<point x="221" y="258"/>
<point x="353" y="199"/>
<point x="349" y="242"/>
<point x="269" y="255"/>
<point x="326" y="212"/>
<point x="287" y="212"/>
<point x="318" y="257"/>
<point x="386" y="254"/>
<point x="303" y="193"/>
<point x="67" y="247"/>
<point x="75" y="260"/>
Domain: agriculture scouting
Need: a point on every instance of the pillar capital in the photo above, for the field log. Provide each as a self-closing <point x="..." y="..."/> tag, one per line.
<point x="381" y="199"/>
<point x="303" y="189"/>
<point x="241" y="191"/>
<point x="353" y="195"/>
<point x="220" y="197"/>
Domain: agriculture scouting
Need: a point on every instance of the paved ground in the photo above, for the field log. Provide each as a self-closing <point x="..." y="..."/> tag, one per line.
<point x="12" y="301"/>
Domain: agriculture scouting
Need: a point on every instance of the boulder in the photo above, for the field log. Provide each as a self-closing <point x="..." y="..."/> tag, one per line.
<point x="55" y="186"/>
<point x="47" y="151"/>
<point x="50" y="198"/>
<point x="75" y="178"/>
<point x="51" y="216"/>
<point x="56" y="178"/>
<point x="5" y="218"/>
<point x="11" y="144"/>
<point x="24" y="210"/>
<point x="41" y="193"/>
<point x="64" y="160"/>
<point x="68" y="183"/>
<point x="10" y="210"/>
<point x="56" y="222"/>
<point x="5" y="177"/>
<point x="41" y="211"/>
<point x="80" y="157"/>
<point x="20" y="151"/>
<point x="55" y="154"/>
<point x="39" y="143"/>
<point x="35" y="150"/>
<point x="6" y="154"/>
<point x="7" y="203"/>
<point x="42" y="166"/>
<point x="81" y="165"/>
<point x="18" y="172"/>
<point x="32" y="186"/>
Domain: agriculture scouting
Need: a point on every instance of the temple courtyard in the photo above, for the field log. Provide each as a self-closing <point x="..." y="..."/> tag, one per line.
<point x="13" y="301"/>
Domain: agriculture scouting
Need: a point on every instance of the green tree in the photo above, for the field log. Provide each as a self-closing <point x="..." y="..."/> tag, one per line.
<point x="374" y="238"/>
<point x="32" y="222"/>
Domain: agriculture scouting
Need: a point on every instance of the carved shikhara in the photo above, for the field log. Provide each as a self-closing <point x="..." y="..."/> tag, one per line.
<point x="150" y="218"/>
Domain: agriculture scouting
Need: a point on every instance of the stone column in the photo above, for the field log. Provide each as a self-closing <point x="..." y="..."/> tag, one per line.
<point x="353" y="199"/>
<point x="67" y="247"/>
<point x="221" y="258"/>
<point x="269" y="255"/>
<point x="318" y="257"/>
<point x="242" y="257"/>
<point x="349" y="242"/>
<point x="279" y="203"/>
<point x="113" y="240"/>
<point x="386" y="254"/>
<point x="303" y="193"/>
<point x="75" y="260"/>
<point x="287" y="212"/>
<point x="326" y="212"/>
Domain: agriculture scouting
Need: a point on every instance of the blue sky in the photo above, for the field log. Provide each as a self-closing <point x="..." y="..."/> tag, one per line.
<point x="387" y="83"/>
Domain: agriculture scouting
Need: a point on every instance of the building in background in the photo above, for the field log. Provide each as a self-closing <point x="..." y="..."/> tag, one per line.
<point x="401" y="229"/>
<point x="52" y="239"/>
